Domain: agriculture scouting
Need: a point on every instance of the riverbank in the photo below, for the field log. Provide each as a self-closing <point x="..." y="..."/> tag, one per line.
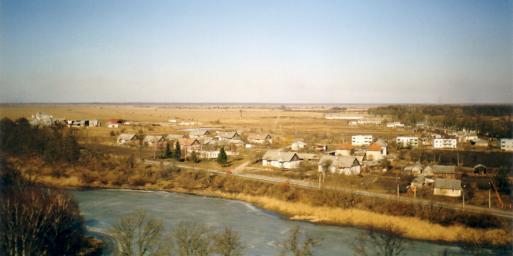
<point x="407" y="227"/>
<point x="326" y="207"/>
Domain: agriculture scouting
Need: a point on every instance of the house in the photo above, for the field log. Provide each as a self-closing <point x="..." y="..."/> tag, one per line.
<point x="444" y="143"/>
<point x="507" y="144"/>
<point x="281" y="159"/>
<point x="421" y="181"/>
<point x="126" y="138"/>
<point x="83" y="123"/>
<point x="468" y="138"/>
<point x="343" y="150"/>
<point x="231" y="142"/>
<point x="321" y="147"/>
<point x="445" y="171"/>
<point x="375" y="152"/>
<point x="228" y="136"/>
<point x="42" y="119"/>
<point x="348" y="165"/>
<point x="297" y="145"/>
<point x="188" y="145"/>
<point x="260" y="138"/>
<point x="365" y="122"/>
<point x="479" y="143"/>
<point x="447" y="187"/>
<point x="415" y="169"/>
<point x="114" y="123"/>
<point x="407" y="141"/>
<point x="395" y="125"/>
<point x="212" y="154"/>
<point x="208" y="141"/>
<point x="198" y="133"/>
<point x="361" y="140"/>
<point x="151" y="140"/>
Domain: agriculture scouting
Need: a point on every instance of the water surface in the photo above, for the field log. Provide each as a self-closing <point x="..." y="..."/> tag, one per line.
<point x="260" y="230"/>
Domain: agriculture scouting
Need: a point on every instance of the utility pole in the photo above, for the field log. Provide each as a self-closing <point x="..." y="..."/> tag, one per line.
<point x="463" y="197"/>
<point x="397" y="184"/>
<point x="489" y="198"/>
<point x="155" y="151"/>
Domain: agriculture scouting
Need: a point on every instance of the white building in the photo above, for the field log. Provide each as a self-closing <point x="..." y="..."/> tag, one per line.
<point x="297" y="145"/>
<point x="213" y="154"/>
<point x="407" y="141"/>
<point x="260" y="138"/>
<point x="280" y="159"/>
<point x="377" y="150"/>
<point x="366" y="122"/>
<point x="507" y="144"/>
<point x="395" y="125"/>
<point x="445" y="143"/>
<point x="361" y="140"/>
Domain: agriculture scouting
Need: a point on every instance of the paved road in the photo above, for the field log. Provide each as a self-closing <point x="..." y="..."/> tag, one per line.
<point x="313" y="185"/>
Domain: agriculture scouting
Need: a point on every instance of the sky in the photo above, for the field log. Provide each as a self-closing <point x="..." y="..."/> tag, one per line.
<point x="375" y="51"/>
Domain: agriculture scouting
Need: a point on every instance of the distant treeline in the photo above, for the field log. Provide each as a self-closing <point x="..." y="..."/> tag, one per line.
<point x="490" y="120"/>
<point x="54" y="144"/>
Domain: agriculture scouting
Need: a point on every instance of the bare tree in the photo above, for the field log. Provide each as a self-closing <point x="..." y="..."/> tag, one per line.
<point x="36" y="221"/>
<point x="298" y="244"/>
<point x="192" y="239"/>
<point x="386" y="242"/>
<point x="227" y="243"/>
<point x="138" y="234"/>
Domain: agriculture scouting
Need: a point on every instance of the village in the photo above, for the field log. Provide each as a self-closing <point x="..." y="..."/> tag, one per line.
<point x="373" y="154"/>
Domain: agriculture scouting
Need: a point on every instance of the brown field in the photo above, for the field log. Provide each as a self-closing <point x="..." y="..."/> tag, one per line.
<point x="288" y="125"/>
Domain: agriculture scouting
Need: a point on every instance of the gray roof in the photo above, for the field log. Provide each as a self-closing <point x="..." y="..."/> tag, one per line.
<point x="340" y="161"/>
<point x="448" y="184"/>
<point x="308" y="156"/>
<point x="126" y="136"/>
<point x="413" y="166"/>
<point x="152" y="138"/>
<point x="443" y="169"/>
<point x="227" y="135"/>
<point x="276" y="155"/>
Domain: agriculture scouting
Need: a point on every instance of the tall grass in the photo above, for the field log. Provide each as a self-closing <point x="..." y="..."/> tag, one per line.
<point x="410" y="227"/>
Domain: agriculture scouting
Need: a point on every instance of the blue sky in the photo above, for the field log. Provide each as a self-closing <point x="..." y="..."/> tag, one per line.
<point x="256" y="51"/>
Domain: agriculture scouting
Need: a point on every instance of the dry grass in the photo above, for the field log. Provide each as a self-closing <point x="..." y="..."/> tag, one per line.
<point x="411" y="227"/>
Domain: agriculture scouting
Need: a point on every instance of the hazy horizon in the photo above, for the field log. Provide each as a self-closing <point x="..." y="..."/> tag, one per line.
<point x="261" y="52"/>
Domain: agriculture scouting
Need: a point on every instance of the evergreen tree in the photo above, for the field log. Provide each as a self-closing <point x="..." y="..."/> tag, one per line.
<point x="178" y="151"/>
<point x="194" y="157"/>
<point x="222" y="158"/>
<point x="167" y="152"/>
